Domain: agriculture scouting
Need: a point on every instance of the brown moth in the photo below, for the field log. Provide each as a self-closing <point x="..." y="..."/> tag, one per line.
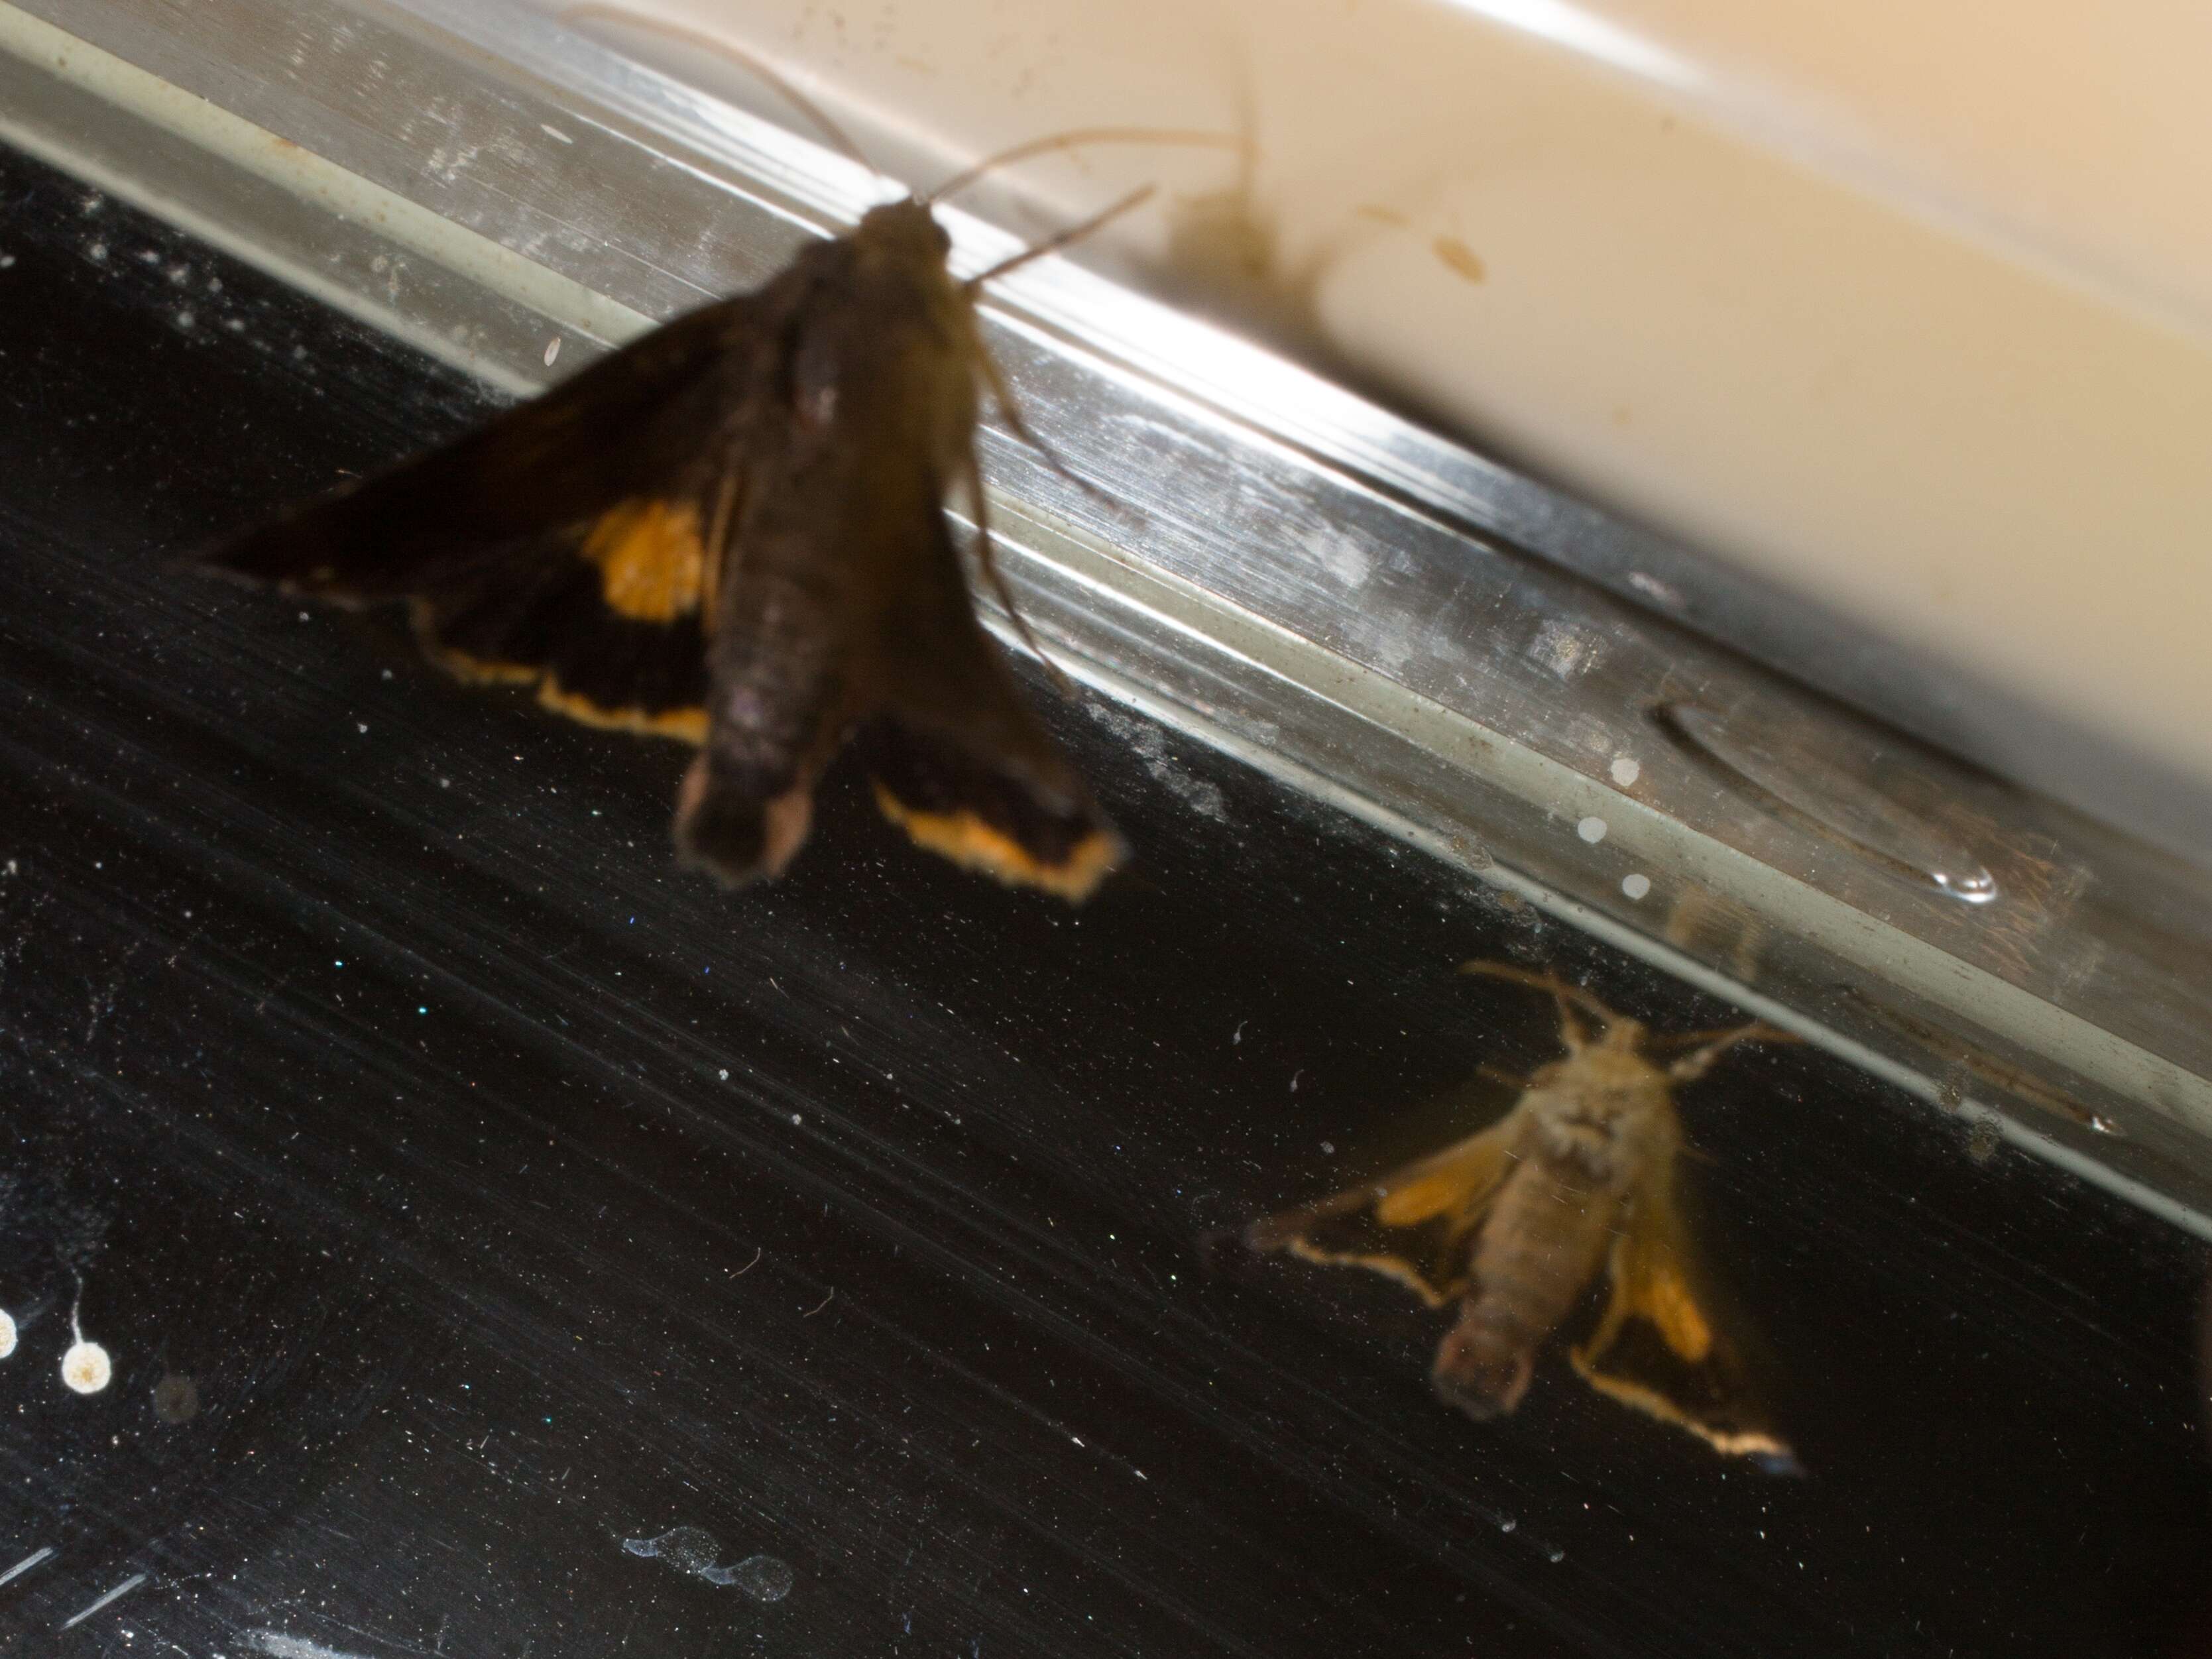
<point x="1514" y="1223"/>
<point x="732" y="532"/>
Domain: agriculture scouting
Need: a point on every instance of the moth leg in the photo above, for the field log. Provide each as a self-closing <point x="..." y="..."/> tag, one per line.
<point x="1002" y="399"/>
<point x="1658" y="1041"/>
<point x="972" y="482"/>
<point x="1696" y="1064"/>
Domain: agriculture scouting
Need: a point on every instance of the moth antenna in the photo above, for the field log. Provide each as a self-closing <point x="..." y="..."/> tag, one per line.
<point x="1572" y="1032"/>
<point x="750" y="62"/>
<point x="1660" y="1042"/>
<point x="1058" y="239"/>
<point x="1695" y="1064"/>
<point x="1562" y="993"/>
<point x="1080" y="136"/>
<point x="989" y="561"/>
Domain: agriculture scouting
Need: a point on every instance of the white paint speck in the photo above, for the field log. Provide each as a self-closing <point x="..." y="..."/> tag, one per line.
<point x="1636" y="884"/>
<point x="1626" y="771"/>
<point x="1328" y="1148"/>
<point x="1340" y="555"/>
<point x="96" y="251"/>
<point x="1591" y="829"/>
<point x="1566" y="649"/>
<point x="552" y="350"/>
<point x="1150" y="743"/>
<point x="7" y="1332"/>
<point x="86" y="1367"/>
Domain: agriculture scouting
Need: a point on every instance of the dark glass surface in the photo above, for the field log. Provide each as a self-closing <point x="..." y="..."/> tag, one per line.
<point x="512" y="1201"/>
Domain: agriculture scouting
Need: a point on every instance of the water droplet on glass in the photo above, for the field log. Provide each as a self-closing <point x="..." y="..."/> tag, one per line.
<point x="1800" y="775"/>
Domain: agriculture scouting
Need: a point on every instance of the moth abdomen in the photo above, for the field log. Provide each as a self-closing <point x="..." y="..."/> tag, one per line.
<point x="1533" y="1258"/>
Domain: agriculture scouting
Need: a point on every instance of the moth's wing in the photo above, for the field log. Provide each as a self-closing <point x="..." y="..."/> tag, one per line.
<point x="1670" y="1345"/>
<point x="566" y="541"/>
<point x="960" y="760"/>
<point x="1415" y="1225"/>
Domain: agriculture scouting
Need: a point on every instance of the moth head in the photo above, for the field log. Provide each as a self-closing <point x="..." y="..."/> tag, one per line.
<point x="903" y="232"/>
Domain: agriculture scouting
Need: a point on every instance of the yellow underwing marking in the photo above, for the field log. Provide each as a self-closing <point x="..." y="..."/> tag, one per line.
<point x="1390" y="1266"/>
<point x="652" y="559"/>
<point x="970" y="843"/>
<point x="1425" y="1198"/>
<point x="476" y="671"/>
<point x="686" y="725"/>
<point x="1735" y="1442"/>
<point x="1460" y="258"/>
<point x="1668" y="1302"/>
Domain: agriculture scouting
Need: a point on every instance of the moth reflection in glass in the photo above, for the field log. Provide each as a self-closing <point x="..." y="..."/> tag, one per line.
<point x="1513" y="1223"/>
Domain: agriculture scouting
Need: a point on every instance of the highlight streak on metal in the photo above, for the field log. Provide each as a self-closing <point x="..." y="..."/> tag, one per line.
<point x="26" y="1563"/>
<point x="115" y="1595"/>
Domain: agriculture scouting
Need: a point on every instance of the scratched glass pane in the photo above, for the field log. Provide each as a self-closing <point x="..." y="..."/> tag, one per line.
<point x="496" y="1242"/>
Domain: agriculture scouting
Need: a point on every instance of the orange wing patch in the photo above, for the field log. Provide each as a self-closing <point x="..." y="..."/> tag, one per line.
<point x="1652" y="1280"/>
<point x="968" y="841"/>
<point x="652" y="559"/>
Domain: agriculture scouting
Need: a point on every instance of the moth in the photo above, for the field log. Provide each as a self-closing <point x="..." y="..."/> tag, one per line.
<point x="732" y="532"/>
<point x="1512" y="1226"/>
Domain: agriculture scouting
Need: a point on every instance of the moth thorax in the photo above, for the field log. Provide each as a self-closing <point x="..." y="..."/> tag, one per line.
<point x="1584" y="1137"/>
